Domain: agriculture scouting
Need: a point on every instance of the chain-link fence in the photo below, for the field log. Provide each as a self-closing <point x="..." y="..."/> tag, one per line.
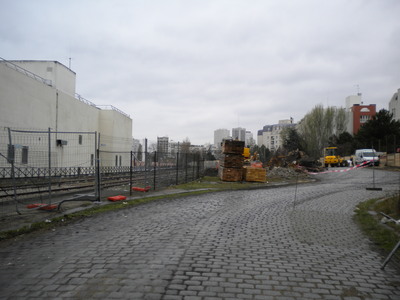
<point x="37" y="166"/>
<point x="49" y="167"/>
<point x="153" y="170"/>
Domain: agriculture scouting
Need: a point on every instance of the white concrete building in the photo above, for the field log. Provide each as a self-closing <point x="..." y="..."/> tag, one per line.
<point x="38" y="95"/>
<point x="270" y="135"/>
<point x="350" y="102"/>
<point x="394" y="105"/>
<point x="219" y="136"/>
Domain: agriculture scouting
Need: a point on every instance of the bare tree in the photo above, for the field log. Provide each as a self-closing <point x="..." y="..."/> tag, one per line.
<point x="185" y="146"/>
<point x="318" y="126"/>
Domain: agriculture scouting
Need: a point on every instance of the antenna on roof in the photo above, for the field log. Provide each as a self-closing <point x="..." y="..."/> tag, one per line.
<point x="358" y="90"/>
<point x="69" y="66"/>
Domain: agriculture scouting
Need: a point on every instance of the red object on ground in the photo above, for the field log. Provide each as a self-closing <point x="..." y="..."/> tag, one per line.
<point x="116" y="198"/>
<point x="48" y="207"/>
<point x="257" y="165"/>
<point x="138" y="189"/>
<point x="35" y="205"/>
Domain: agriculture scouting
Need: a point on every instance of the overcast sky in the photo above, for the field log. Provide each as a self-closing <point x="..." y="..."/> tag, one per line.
<point x="186" y="68"/>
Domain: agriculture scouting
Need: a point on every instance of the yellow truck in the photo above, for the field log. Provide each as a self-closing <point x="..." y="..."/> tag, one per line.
<point x="332" y="158"/>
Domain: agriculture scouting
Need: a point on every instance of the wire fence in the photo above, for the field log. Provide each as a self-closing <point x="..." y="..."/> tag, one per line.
<point x="50" y="167"/>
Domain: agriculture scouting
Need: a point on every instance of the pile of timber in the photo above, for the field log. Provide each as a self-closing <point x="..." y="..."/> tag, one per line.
<point x="254" y="174"/>
<point x="231" y="162"/>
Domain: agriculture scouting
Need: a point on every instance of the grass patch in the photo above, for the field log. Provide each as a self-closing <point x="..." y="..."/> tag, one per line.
<point x="369" y="218"/>
<point x="215" y="183"/>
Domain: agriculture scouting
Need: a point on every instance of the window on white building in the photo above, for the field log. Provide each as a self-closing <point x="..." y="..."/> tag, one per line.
<point x="24" y="156"/>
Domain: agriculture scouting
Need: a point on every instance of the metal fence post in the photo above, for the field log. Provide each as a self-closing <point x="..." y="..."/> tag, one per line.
<point x="49" y="155"/>
<point x="198" y="167"/>
<point x="130" y="174"/>
<point x="193" y="167"/>
<point x="186" y="167"/>
<point x="97" y="167"/>
<point x="145" y="162"/>
<point x="177" y="168"/>
<point x="155" y="170"/>
<point x="10" y="157"/>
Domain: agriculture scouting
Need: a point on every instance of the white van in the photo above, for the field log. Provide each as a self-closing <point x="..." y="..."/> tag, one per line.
<point x="363" y="155"/>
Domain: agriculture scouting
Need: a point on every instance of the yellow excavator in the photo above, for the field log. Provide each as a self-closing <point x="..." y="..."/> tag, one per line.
<point x="332" y="158"/>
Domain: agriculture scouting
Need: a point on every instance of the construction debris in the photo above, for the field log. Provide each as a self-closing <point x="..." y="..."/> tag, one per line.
<point x="281" y="172"/>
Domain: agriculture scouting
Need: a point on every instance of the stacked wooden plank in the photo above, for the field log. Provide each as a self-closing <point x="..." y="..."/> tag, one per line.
<point x="254" y="174"/>
<point x="231" y="162"/>
<point x="232" y="147"/>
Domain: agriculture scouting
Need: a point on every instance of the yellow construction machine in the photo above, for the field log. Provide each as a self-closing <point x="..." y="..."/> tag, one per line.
<point x="332" y="158"/>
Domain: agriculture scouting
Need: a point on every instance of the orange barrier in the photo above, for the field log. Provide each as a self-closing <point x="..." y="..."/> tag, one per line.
<point x="35" y="205"/>
<point x="42" y="206"/>
<point x="116" y="198"/>
<point x="48" y="207"/>
<point x="138" y="189"/>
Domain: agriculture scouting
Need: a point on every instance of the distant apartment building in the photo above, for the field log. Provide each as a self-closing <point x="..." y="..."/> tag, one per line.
<point x="239" y="133"/>
<point x="40" y="95"/>
<point x="197" y="148"/>
<point x="219" y="136"/>
<point x="162" y="146"/>
<point x="249" y="139"/>
<point x="394" y="105"/>
<point x="270" y="135"/>
<point x="358" y="113"/>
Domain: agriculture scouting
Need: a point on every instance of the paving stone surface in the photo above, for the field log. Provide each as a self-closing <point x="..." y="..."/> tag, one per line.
<point x="293" y="242"/>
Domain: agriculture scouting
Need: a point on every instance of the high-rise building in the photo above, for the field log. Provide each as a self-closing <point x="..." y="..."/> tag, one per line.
<point x="162" y="146"/>
<point x="219" y="136"/>
<point x="249" y="139"/>
<point x="358" y="113"/>
<point x="239" y="133"/>
<point x="394" y="105"/>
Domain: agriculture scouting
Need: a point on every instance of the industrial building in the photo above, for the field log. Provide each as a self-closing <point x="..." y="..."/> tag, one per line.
<point x="38" y="96"/>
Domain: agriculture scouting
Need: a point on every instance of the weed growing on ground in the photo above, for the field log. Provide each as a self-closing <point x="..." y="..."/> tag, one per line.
<point x="367" y="215"/>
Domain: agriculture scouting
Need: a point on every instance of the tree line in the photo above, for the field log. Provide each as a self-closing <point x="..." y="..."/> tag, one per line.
<point x="325" y="127"/>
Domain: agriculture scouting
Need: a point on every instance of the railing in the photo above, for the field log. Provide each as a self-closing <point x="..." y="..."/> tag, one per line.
<point x="80" y="98"/>
<point x="26" y="72"/>
<point x="101" y="107"/>
<point x="110" y="107"/>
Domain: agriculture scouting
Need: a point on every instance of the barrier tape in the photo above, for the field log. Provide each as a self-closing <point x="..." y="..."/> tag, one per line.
<point x="360" y="166"/>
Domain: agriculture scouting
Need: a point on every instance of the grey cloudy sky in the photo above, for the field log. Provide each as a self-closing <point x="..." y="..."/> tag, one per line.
<point x="185" y="68"/>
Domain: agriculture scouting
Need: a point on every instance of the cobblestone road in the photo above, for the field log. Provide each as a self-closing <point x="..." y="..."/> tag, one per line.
<point x="280" y="243"/>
